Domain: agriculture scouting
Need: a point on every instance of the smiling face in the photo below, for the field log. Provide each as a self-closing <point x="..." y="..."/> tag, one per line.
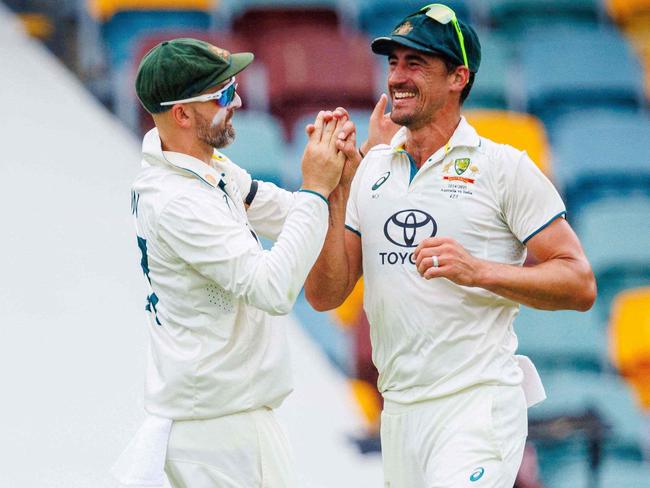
<point x="419" y="85"/>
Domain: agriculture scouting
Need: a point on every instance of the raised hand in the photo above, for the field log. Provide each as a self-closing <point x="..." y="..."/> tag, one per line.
<point x="322" y="162"/>
<point x="381" y="128"/>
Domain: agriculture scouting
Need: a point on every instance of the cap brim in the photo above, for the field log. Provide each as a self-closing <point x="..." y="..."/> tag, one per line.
<point x="238" y="61"/>
<point x="386" y="45"/>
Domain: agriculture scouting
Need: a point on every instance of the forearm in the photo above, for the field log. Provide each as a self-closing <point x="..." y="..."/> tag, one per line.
<point x="557" y="284"/>
<point x="328" y="282"/>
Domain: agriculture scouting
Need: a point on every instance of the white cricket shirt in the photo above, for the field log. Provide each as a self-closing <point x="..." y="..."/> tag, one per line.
<point x="432" y="337"/>
<point x="215" y="348"/>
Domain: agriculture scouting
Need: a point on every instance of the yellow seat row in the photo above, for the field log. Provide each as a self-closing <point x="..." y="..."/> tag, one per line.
<point x="103" y="10"/>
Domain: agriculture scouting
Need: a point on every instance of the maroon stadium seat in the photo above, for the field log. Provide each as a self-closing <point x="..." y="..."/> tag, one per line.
<point x="311" y="68"/>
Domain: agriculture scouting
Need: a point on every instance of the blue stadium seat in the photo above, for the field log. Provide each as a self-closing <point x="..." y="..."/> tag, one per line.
<point x="564" y="70"/>
<point x="601" y="153"/>
<point x="572" y="393"/>
<point x="615" y="234"/>
<point x="517" y="16"/>
<point x="299" y="140"/>
<point x="561" y="339"/>
<point x="493" y="82"/>
<point x="380" y="17"/>
<point x="123" y="30"/>
<point x="259" y="146"/>
<point x="615" y="473"/>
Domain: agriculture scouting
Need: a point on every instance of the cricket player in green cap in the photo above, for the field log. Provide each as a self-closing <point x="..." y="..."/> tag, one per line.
<point x="439" y="220"/>
<point x="218" y="363"/>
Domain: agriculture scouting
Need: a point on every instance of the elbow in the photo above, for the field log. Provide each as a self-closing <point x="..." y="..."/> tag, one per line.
<point x="318" y="301"/>
<point x="587" y="291"/>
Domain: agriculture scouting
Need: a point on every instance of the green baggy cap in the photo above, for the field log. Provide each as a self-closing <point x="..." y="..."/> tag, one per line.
<point x="419" y="31"/>
<point x="183" y="68"/>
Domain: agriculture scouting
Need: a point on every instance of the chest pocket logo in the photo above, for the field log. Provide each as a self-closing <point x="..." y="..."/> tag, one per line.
<point x="382" y="179"/>
<point x="407" y="228"/>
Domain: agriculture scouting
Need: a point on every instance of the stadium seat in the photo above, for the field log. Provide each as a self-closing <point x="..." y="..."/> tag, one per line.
<point x="624" y="11"/>
<point x="379" y="17"/>
<point x="259" y="146"/>
<point x="574" y="392"/>
<point x="561" y="339"/>
<point x="494" y="85"/>
<point x="523" y="131"/>
<point x="332" y="69"/>
<point x="615" y="473"/>
<point x="251" y="17"/>
<point x="637" y="31"/>
<point x="601" y="153"/>
<point x="253" y="97"/>
<point x="596" y="69"/>
<point x="347" y="314"/>
<point x="629" y="336"/>
<point x="614" y="233"/>
<point x="517" y="16"/>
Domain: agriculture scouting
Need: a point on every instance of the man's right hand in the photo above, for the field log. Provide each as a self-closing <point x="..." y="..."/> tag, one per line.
<point x="322" y="163"/>
<point x="381" y="128"/>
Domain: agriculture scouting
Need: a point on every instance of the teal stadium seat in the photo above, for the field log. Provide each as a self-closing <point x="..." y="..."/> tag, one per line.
<point x="574" y="392"/>
<point x="494" y="81"/>
<point x="565" y="70"/>
<point x="259" y="146"/>
<point x="379" y="17"/>
<point x="601" y="153"/>
<point x="122" y="31"/>
<point x="514" y="17"/>
<point x="615" y="234"/>
<point x="561" y="339"/>
<point x="614" y="473"/>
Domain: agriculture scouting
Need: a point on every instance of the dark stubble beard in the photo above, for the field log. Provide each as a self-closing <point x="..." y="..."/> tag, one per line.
<point x="214" y="136"/>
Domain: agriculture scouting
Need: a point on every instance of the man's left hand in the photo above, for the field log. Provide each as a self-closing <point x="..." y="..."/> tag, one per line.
<point x="453" y="261"/>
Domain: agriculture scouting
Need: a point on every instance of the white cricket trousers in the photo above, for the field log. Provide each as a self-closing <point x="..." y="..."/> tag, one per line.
<point x="243" y="450"/>
<point x="471" y="439"/>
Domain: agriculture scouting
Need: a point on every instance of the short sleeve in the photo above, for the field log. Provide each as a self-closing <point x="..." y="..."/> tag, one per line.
<point x="530" y="201"/>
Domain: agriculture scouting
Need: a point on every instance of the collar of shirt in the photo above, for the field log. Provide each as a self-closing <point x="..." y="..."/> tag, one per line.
<point x="464" y="136"/>
<point x="154" y="155"/>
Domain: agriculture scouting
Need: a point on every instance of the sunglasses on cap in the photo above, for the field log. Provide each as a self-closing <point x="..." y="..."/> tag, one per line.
<point x="222" y="97"/>
<point x="444" y="14"/>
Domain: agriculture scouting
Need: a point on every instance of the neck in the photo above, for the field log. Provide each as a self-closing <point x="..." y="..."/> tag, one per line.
<point x="192" y="147"/>
<point x="423" y="141"/>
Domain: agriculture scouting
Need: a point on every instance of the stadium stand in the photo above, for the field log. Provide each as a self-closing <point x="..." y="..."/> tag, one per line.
<point x="331" y="69"/>
<point x="521" y="130"/>
<point x="626" y="11"/>
<point x="517" y="16"/>
<point x="259" y="146"/>
<point x="558" y="77"/>
<point x="615" y="235"/>
<point x="597" y="69"/>
<point x="495" y="81"/>
<point x="601" y="153"/>
<point x="379" y="17"/>
<point x="582" y="346"/>
<point x="629" y="341"/>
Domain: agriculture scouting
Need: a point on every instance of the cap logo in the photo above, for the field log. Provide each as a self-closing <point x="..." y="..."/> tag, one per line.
<point x="222" y="53"/>
<point x="403" y="29"/>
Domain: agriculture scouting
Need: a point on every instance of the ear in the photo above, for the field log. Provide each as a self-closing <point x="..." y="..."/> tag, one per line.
<point x="181" y="115"/>
<point x="460" y="78"/>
